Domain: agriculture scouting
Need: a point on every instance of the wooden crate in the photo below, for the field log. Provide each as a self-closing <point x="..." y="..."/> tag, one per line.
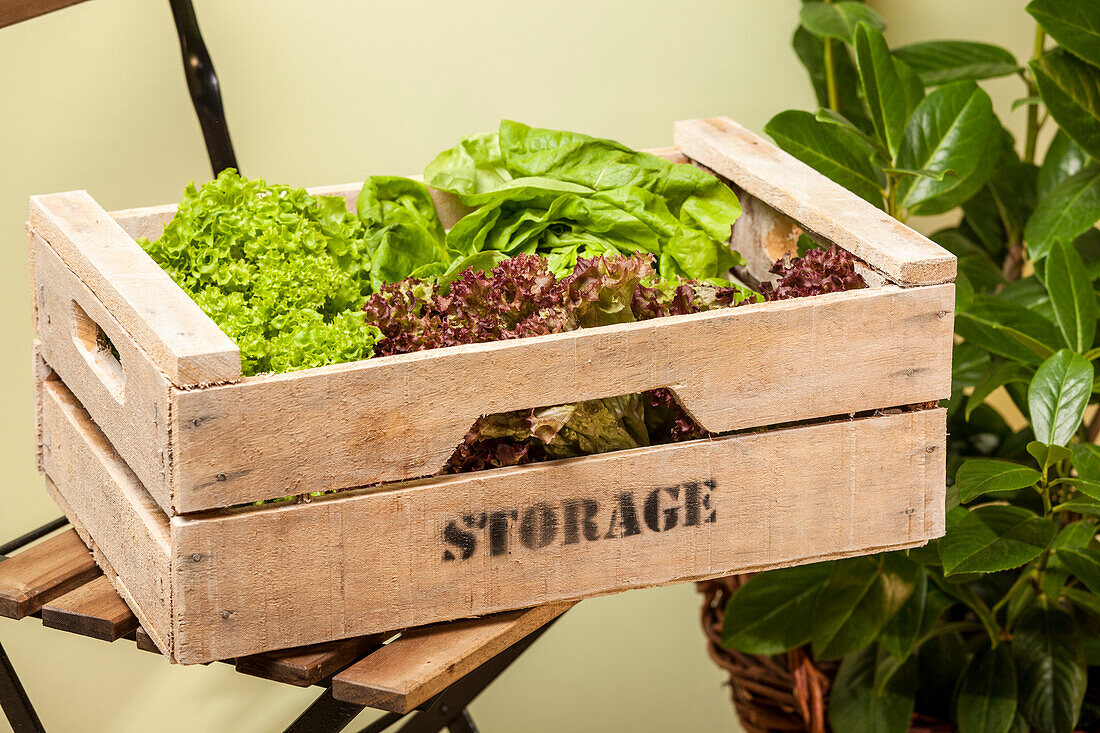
<point x="157" y="453"/>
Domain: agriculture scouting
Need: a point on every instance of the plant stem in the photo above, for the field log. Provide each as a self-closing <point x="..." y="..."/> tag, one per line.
<point x="969" y="598"/>
<point x="830" y="76"/>
<point x="1033" y="123"/>
<point x="1017" y="587"/>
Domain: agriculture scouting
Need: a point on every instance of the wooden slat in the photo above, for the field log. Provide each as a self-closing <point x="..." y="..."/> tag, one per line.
<point x="305" y="666"/>
<point x="814" y="201"/>
<point x="43" y="572"/>
<point x="360" y="562"/>
<point x="144" y="642"/>
<point x="16" y="11"/>
<point x="125" y="392"/>
<point x="400" y="417"/>
<point x="423" y="662"/>
<point x="105" y="500"/>
<point x="94" y="609"/>
<point x="181" y="340"/>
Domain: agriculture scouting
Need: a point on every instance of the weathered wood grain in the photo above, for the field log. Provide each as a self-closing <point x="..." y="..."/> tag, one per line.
<point x="93" y="609"/>
<point x="16" y="11"/>
<point x="43" y="572"/>
<point x="125" y="393"/>
<point x="179" y="338"/>
<point x="423" y="662"/>
<point x="358" y="563"/>
<point x="107" y="504"/>
<point x="815" y="202"/>
<point x="305" y="666"/>
<point x="400" y="417"/>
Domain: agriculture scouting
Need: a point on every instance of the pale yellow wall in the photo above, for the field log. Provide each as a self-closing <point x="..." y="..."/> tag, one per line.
<point x="330" y="91"/>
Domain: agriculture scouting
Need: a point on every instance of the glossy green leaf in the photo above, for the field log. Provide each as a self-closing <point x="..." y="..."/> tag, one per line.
<point x="773" y="611"/>
<point x="1070" y="208"/>
<point x="987" y="692"/>
<point x="1075" y="24"/>
<point x="861" y="596"/>
<point x="1086" y="459"/>
<point x="952" y="129"/>
<point x="942" y="62"/>
<point x="1086" y="487"/>
<point x="882" y="87"/>
<point x="830" y="117"/>
<point x="1081" y="505"/>
<point x="979" y="476"/>
<point x="829" y="149"/>
<point x="974" y="259"/>
<point x="1050" y="667"/>
<point x="1047" y="455"/>
<point x="1071" y="89"/>
<point x="899" y="636"/>
<point x="1058" y="395"/>
<point x="1064" y="159"/>
<point x="1083" y="599"/>
<point x="1084" y="563"/>
<point x="911" y="85"/>
<point x="917" y="618"/>
<point x="1008" y="329"/>
<point x="838" y="20"/>
<point x="992" y="538"/>
<point x="861" y="701"/>
<point x="1071" y="292"/>
<point x="1076" y="535"/>
<point x="1026" y="102"/>
<point x="968" y="364"/>
<point x="998" y="375"/>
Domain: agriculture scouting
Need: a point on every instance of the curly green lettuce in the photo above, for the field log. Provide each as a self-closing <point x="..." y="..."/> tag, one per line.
<point x="283" y="273"/>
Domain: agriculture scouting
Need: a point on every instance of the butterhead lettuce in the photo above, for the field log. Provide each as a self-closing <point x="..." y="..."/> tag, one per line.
<point x="567" y="196"/>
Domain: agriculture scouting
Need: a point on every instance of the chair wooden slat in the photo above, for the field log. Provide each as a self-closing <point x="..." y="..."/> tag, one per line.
<point x="94" y="609"/>
<point x="44" y="572"/>
<point x="16" y="11"/>
<point x="308" y="665"/>
<point x="423" y="662"/>
<point x="145" y="642"/>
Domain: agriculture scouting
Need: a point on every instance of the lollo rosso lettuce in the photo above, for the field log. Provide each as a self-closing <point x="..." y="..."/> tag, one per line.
<point x="569" y="197"/>
<point x="521" y="297"/>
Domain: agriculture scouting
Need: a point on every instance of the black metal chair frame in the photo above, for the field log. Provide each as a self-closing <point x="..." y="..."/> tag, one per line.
<point x="448" y="710"/>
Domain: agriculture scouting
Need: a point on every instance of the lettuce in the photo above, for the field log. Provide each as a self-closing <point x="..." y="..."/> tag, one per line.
<point x="283" y="273"/>
<point x="406" y="234"/>
<point x="569" y="196"/>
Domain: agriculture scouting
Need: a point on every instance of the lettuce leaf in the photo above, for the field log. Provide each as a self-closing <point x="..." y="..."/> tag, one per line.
<point x="570" y="196"/>
<point x="406" y="235"/>
<point x="283" y="273"/>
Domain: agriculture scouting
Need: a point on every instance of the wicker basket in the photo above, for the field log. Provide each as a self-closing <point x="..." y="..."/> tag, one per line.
<point x="785" y="692"/>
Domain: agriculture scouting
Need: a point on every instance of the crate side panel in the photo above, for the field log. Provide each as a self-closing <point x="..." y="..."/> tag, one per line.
<point x="181" y="340"/>
<point x="482" y="543"/>
<point x="126" y="396"/>
<point x="401" y="417"/>
<point x="107" y="504"/>
<point x="816" y="202"/>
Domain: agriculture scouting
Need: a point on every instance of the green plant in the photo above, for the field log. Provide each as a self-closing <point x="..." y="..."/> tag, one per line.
<point x="996" y="626"/>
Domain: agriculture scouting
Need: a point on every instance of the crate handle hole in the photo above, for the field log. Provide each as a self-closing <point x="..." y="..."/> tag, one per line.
<point x="99" y="351"/>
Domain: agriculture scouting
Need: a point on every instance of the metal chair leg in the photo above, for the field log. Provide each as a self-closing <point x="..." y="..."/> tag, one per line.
<point x="202" y="82"/>
<point x="13" y="699"/>
<point x="325" y="715"/>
